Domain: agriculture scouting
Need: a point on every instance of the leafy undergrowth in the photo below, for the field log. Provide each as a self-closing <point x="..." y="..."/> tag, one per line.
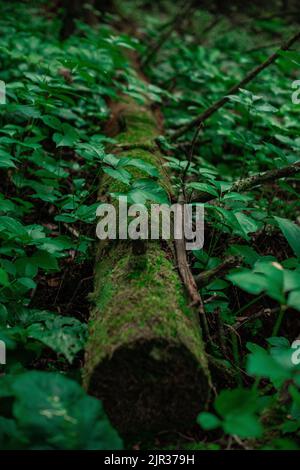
<point x="252" y="308"/>
<point x="52" y="153"/>
<point x="53" y="148"/>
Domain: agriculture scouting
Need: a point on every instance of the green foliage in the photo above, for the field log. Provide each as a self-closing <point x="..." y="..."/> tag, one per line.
<point x="53" y="149"/>
<point x="50" y="411"/>
<point x="291" y="232"/>
<point x="50" y="143"/>
<point x="240" y="411"/>
<point x="254" y="132"/>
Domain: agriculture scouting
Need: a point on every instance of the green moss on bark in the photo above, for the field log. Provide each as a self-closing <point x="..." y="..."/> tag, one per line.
<point x="146" y="303"/>
<point x="145" y="357"/>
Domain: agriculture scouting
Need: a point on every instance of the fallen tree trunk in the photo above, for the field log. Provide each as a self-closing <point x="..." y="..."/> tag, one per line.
<point x="145" y="357"/>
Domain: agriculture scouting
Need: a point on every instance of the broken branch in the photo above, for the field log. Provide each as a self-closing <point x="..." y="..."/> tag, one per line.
<point x="251" y="181"/>
<point x="188" y="278"/>
<point x="233" y="90"/>
<point x="205" y="277"/>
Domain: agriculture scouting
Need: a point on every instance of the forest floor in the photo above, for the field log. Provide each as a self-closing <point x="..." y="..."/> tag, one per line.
<point x="231" y="142"/>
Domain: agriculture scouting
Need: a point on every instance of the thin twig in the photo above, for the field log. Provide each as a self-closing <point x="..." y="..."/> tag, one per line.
<point x="206" y="276"/>
<point x="233" y="90"/>
<point x="265" y="177"/>
<point x="72" y="230"/>
<point x="188" y="278"/>
<point x="250" y="182"/>
<point x="260" y="48"/>
<point x="191" y="154"/>
<point x="264" y="312"/>
<point x="240" y="442"/>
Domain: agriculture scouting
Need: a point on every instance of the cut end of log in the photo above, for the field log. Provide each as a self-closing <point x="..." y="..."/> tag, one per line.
<point x="144" y="358"/>
<point x="149" y="387"/>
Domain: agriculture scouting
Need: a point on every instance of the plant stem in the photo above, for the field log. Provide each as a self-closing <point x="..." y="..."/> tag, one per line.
<point x="279" y="320"/>
<point x="236" y="356"/>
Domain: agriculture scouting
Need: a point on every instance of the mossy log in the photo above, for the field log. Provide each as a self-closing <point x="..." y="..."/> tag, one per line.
<point x="145" y="357"/>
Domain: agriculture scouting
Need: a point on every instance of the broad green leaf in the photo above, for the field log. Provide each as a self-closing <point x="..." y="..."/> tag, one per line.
<point x="68" y="138"/>
<point x="118" y="174"/>
<point x="45" y="260"/>
<point x="291" y="232"/>
<point x="151" y="190"/>
<point x="140" y="164"/>
<point x="12" y="226"/>
<point x="249" y="281"/>
<point x="208" y="421"/>
<point x="243" y="425"/>
<point x="4" y="281"/>
<point x="27" y="282"/>
<point x="6" y="160"/>
<point x="204" y="188"/>
<point x="238" y="400"/>
<point x="52" y="122"/>
<point x="248" y="224"/>
<point x="65" y="335"/>
<point x="53" y="412"/>
<point x="260" y="363"/>
<point x="294" y="300"/>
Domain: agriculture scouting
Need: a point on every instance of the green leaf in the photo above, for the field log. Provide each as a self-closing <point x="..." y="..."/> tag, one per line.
<point x="238" y="409"/>
<point x="294" y="300"/>
<point x="291" y="232"/>
<point x="260" y="363"/>
<point x="146" y="189"/>
<point x="266" y="108"/>
<point x="248" y="224"/>
<point x="266" y="276"/>
<point x="52" y="121"/>
<point x="45" y="260"/>
<point x="119" y="174"/>
<point x="238" y="400"/>
<point x="208" y="421"/>
<point x="204" y="188"/>
<point x="68" y="138"/>
<point x="243" y="425"/>
<point x="12" y="226"/>
<point x="291" y="280"/>
<point x="55" y="245"/>
<point x="27" y="282"/>
<point x="65" y="335"/>
<point x="249" y="281"/>
<point x="6" y="160"/>
<point x="4" y="281"/>
<point x="24" y="110"/>
<point x="54" y="413"/>
<point x="140" y="164"/>
<point x="25" y="267"/>
<point x="274" y="279"/>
